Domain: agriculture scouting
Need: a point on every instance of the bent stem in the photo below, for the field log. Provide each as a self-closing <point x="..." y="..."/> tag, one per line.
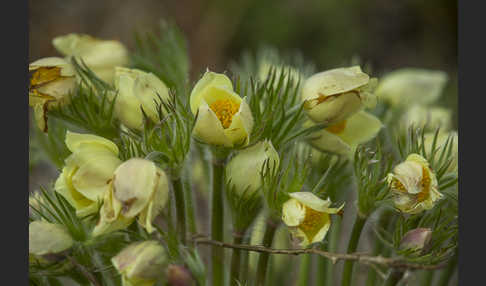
<point x="217" y="221"/>
<point x="353" y="244"/>
<point x="180" y="208"/>
<point x="263" y="258"/>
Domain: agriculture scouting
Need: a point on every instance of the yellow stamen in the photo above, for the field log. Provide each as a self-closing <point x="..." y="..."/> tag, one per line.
<point x="225" y="109"/>
<point x="313" y="222"/>
<point x="337" y="128"/>
<point x="425" y="184"/>
<point x="397" y="185"/>
<point x="45" y="75"/>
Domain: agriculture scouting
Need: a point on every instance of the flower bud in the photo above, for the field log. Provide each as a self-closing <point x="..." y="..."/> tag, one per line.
<point x="224" y="118"/>
<point x="140" y="263"/>
<point x="413" y="185"/>
<point x="136" y="90"/>
<point x="101" y="56"/>
<point x="343" y="137"/>
<point x="429" y="117"/>
<point x="409" y="86"/>
<point x="308" y="216"/>
<point x="442" y="138"/>
<point x="47" y="238"/>
<point x="87" y="172"/>
<point x="418" y="239"/>
<point x="245" y="168"/>
<point x="138" y="189"/>
<point x="178" y="275"/>
<point x="51" y="83"/>
<point x="334" y="95"/>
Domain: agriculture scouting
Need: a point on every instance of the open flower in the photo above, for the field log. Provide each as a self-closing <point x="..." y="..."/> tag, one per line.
<point x="224" y="118"/>
<point x="413" y="185"/>
<point x="245" y="168"/>
<point x="343" y="137"/>
<point x="308" y="216"/>
<point x="136" y="90"/>
<point x="408" y="86"/>
<point x="332" y="96"/>
<point x="141" y="263"/>
<point x="52" y="80"/>
<point x="429" y="117"/>
<point x="139" y="189"/>
<point x="101" y="56"/>
<point x="87" y="172"/>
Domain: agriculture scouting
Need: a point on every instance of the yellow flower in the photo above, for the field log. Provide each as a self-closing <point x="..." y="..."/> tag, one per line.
<point x="87" y="172"/>
<point x="308" y="216"/>
<point x="343" y="137"/>
<point x="332" y="96"/>
<point x="141" y="263"/>
<point x="52" y="80"/>
<point x="441" y="140"/>
<point x="245" y="168"/>
<point x="413" y="185"/>
<point x="138" y="189"/>
<point x="101" y="56"/>
<point x="429" y="117"/>
<point x="223" y="117"/>
<point x="48" y="238"/>
<point x="408" y="86"/>
<point x="136" y="90"/>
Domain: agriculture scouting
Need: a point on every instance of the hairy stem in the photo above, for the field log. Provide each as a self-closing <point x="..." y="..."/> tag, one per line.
<point x="217" y="222"/>
<point x="352" y="245"/>
<point x="264" y="257"/>
<point x="180" y="208"/>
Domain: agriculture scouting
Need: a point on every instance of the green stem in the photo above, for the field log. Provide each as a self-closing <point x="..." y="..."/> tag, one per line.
<point x="304" y="270"/>
<point x="189" y="198"/>
<point x="180" y="208"/>
<point x="448" y="272"/>
<point x="263" y="258"/>
<point x="352" y="245"/>
<point x="427" y="278"/>
<point x="217" y="222"/>
<point x="244" y="262"/>
<point x="393" y="278"/>
<point x="236" y="261"/>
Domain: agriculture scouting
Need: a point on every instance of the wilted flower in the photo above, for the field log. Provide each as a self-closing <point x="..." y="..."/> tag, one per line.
<point x="442" y="138"/>
<point x="47" y="238"/>
<point x="136" y="90"/>
<point x="334" y="95"/>
<point x="308" y="216"/>
<point x="413" y="185"/>
<point x="140" y="263"/>
<point x="87" y="172"/>
<point x="178" y="275"/>
<point x="429" y="117"/>
<point x="224" y="118"/>
<point x="52" y="80"/>
<point x="417" y="239"/>
<point x="408" y="86"/>
<point x="245" y="168"/>
<point x="138" y="189"/>
<point x="343" y="137"/>
<point x="101" y="56"/>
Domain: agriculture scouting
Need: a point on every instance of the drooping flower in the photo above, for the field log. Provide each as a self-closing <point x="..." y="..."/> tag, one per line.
<point x="407" y="86"/>
<point x="245" y="168"/>
<point x="413" y="185"/>
<point x="224" y="118"/>
<point x="51" y="83"/>
<point x="87" y="172"/>
<point x="137" y="90"/>
<point x="334" y="95"/>
<point x="141" y="263"/>
<point x="139" y="190"/>
<point x="101" y="56"/>
<point x="343" y="137"/>
<point x="308" y="216"/>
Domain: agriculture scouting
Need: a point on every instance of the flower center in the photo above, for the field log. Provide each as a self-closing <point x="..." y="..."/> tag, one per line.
<point x="45" y="75"/>
<point x="313" y="222"/>
<point x="425" y="184"/>
<point x="224" y="110"/>
<point x="337" y="128"/>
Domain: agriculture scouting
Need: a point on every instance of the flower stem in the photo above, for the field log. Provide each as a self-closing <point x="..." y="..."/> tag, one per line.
<point x="236" y="261"/>
<point x="448" y="272"/>
<point x="180" y="208"/>
<point x="352" y="245"/>
<point x="188" y="195"/>
<point x="217" y="222"/>
<point x="427" y="278"/>
<point x="393" y="278"/>
<point x="304" y="270"/>
<point x="263" y="258"/>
